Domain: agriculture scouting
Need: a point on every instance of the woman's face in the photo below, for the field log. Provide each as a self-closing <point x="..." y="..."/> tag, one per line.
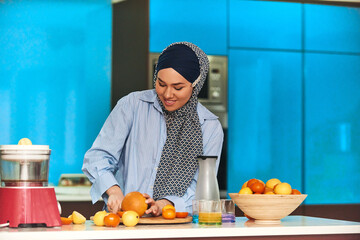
<point x="173" y="89"/>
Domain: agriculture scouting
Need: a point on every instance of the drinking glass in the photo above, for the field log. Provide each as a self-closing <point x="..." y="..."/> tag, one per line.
<point x="195" y="211"/>
<point x="227" y="210"/>
<point x="209" y="212"/>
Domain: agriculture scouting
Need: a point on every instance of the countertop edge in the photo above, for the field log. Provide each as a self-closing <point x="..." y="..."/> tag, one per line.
<point x="193" y="231"/>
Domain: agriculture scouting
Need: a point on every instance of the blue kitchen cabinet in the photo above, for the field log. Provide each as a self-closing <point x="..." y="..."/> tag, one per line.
<point x="332" y="136"/>
<point x="261" y="24"/>
<point x="265" y="113"/>
<point x="202" y="22"/>
<point x="55" y="76"/>
<point x="332" y="28"/>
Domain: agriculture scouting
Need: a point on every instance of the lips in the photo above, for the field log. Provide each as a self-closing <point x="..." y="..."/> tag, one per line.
<point x="169" y="102"/>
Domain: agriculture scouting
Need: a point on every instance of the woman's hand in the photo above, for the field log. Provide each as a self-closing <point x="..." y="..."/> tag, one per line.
<point x="155" y="206"/>
<point x="116" y="197"/>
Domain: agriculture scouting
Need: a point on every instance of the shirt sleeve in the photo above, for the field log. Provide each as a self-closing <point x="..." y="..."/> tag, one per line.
<point x="212" y="141"/>
<point x="101" y="161"/>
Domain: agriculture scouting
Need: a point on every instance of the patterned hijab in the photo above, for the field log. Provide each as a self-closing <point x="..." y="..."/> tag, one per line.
<point x="178" y="163"/>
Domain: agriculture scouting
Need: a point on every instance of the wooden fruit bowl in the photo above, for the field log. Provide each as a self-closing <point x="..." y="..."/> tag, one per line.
<point x="266" y="208"/>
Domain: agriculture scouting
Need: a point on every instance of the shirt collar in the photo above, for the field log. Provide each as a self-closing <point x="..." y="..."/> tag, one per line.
<point x="204" y="113"/>
<point x="150" y="96"/>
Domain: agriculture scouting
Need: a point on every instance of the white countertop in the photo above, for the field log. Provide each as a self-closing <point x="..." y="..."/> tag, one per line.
<point x="291" y="225"/>
<point x="73" y="194"/>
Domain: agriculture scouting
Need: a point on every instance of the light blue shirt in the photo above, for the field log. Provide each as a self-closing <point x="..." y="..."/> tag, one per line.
<point x="128" y="148"/>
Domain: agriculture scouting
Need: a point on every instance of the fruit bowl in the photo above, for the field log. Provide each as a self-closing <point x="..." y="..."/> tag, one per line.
<point x="267" y="208"/>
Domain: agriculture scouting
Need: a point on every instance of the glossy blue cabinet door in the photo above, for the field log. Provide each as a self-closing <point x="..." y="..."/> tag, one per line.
<point x="264" y="117"/>
<point x="330" y="28"/>
<point x="202" y="22"/>
<point x="332" y="110"/>
<point x="258" y="24"/>
<point x="55" y="76"/>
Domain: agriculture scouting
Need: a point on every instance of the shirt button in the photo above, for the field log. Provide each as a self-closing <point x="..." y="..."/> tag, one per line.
<point x="156" y="168"/>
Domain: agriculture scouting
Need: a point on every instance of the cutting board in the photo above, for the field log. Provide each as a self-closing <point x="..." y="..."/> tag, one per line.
<point x="161" y="220"/>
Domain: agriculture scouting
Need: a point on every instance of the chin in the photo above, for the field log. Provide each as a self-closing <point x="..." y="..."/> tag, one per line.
<point x="171" y="109"/>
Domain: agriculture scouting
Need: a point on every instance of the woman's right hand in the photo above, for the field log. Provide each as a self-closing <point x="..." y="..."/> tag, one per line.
<point x="115" y="199"/>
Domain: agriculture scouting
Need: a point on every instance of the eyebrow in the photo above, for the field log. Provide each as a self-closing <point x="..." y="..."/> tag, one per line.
<point x="175" y="84"/>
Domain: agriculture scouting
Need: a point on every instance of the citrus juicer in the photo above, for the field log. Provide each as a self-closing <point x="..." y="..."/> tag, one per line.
<point x="25" y="198"/>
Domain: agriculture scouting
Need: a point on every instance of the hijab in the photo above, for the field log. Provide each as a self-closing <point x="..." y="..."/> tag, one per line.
<point x="178" y="162"/>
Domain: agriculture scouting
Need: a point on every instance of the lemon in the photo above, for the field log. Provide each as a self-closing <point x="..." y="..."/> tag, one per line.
<point x="272" y="182"/>
<point x="78" y="218"/>
<point x="283" y="188"/>
<point x="99" y="218"/>
<point x="246" y="190"/>
<point x="270" y="193"/>
<point x="244" y="185"/>
<point x="130" y="218"/>
<point x="24" y="141"/>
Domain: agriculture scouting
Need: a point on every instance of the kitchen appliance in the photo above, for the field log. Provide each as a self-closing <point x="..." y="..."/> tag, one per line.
<point x="25" y="198"/>
<point x="207" y="187"/>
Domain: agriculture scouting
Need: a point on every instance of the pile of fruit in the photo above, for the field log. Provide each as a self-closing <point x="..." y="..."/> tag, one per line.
<point x="133" y="206"/>
<point x="169" y="212"/>
<point x="272" y="186"/>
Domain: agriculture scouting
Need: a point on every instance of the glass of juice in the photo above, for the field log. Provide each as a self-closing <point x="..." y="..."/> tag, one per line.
<point x="227" y="210"/>
<point x="209" y="212"/>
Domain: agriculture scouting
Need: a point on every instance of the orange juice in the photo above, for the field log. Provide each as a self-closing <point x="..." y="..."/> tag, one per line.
<point x="210" y="218"/>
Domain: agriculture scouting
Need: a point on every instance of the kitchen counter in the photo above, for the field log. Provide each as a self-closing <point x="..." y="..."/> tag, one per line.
<point x="294" y="226"/>
<point x="72" y="194"/>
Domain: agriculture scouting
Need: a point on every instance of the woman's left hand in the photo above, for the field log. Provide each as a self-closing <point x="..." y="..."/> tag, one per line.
<point x="155" y="206"/>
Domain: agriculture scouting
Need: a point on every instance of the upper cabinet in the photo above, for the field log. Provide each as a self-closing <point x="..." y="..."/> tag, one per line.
<point x="330" y="28"/>
<point x="256" y="24"/>
<point x="200" y="22"/>
<point x="265" y="102"/>
<point x="332" y="128"/>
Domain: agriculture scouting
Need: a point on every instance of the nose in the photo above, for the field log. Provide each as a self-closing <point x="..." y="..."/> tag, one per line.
<point x="168" y="92"/>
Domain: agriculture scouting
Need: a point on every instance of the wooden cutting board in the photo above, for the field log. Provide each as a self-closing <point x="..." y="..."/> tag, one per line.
<point x="161" y="220"/>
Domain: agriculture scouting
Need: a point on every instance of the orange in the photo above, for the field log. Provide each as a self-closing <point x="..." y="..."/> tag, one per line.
<point x="65" y="221"/>
<point x="250" y="218"/>
<point x="120" y="213"/>
<point x="169" y="214"/>
<point x="251" y="181"/>
<point x="267" y="189"/>
<point x="182" y="214"/>
<point x="257" y="187"/>
<point x="112" y="220"/>
<point x="134" y="201"/>
<point x="169" y="206"/>
<point x="295" y="192"/>
<point x="282" y="188"/>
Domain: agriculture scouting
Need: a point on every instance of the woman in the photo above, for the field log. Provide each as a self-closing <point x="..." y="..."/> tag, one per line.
<point x="150" y="141"/>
